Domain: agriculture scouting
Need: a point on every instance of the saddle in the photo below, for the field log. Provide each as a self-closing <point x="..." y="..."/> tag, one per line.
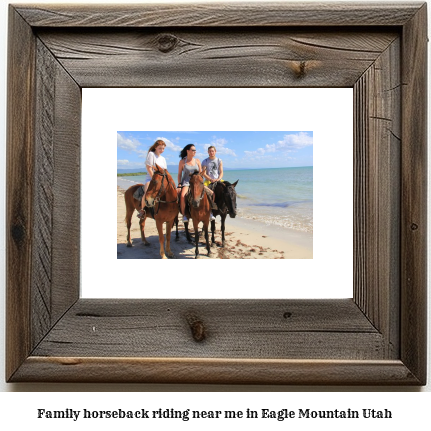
<point x="139" y="193"/>
<point x="188" y="199"/>
<point x="138" y="196"/>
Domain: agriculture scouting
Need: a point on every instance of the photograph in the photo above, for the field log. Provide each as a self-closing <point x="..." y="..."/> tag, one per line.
<point x="247" y="195"/>
<point x="283" y="146"/>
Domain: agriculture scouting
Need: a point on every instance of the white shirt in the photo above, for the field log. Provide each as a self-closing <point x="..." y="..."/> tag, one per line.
<point x="151" y="160"/>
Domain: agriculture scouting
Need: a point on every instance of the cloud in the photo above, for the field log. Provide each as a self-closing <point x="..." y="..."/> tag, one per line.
<point x="171" y="145"/>
<point x="289" y="144"/>
<point x="219" y="144"/>
<point x="127" y="144"/>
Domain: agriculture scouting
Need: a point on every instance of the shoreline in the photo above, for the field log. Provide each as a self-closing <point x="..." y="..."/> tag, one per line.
<point x="244" y="239"/>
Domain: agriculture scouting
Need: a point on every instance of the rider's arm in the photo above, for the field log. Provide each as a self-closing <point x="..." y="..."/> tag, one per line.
<point x="150" y="171"/>
<point x="220" y="176"/>
<point x="206" y="176"/>
<point x="180" y="171"/>
<point x="149" y="164"/>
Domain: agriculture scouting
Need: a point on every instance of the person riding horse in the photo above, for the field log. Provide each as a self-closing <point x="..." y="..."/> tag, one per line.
<point x="154" y="156"/>
<point x="214" y="171"/>
<point x="187" y="166"/>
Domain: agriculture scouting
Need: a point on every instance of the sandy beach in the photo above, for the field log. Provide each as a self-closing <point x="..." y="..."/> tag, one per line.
<point x="244" y="239"/>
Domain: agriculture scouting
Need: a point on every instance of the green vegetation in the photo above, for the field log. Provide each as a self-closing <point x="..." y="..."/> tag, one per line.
<point x="133" y="174"/>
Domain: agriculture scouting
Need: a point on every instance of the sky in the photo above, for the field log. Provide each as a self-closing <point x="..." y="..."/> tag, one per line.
<point x="238" y="150"/>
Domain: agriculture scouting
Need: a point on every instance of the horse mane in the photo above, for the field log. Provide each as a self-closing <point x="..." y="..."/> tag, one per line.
<point x="165" y="173"/>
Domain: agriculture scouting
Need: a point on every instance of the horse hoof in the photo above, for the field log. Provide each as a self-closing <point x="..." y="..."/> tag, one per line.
<point x="147" y="244"/>
<point x="129" y="244"/>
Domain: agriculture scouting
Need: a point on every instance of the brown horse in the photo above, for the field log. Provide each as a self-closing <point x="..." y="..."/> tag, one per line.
<point x="200" y="208"/>
<point x="161" y="197"/>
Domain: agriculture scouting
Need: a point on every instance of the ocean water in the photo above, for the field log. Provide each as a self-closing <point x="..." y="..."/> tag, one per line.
<point x="278" y="196"/>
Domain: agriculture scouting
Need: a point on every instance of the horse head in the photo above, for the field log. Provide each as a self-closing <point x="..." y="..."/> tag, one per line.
<point x="158" y="186"/>
<point x="230" y="197"/>
<point x="196" y="189"/>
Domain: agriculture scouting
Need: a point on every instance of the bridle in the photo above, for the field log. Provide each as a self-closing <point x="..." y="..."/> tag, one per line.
<point x="159" y="194"/>
<point x="226" y="196"/>
<point x="202" y="194"/>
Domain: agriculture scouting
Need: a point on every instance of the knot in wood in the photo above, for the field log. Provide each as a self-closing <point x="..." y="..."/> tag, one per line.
<point x="300" y="69"/>
<point x="167" y="42"/>
<point x="197" y="327"/>
<point x="414" y="226"/>
<point x="18" y="233"/>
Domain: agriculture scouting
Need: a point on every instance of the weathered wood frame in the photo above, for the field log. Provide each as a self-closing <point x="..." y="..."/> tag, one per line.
<point x="378" y="337"/>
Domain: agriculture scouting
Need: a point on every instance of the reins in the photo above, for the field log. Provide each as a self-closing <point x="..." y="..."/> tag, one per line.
<point x="159" y="194"/>
<point x="226" y="196"/>
<point x="202" y="195"/>
<point x="221" y="208"/>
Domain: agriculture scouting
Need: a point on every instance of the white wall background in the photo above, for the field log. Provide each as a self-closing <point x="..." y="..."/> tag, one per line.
<point x="328" y="113"/>
<point x="18" y="405"/>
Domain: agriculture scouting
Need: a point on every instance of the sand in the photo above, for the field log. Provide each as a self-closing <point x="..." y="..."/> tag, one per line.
<point x="244" y="239"/>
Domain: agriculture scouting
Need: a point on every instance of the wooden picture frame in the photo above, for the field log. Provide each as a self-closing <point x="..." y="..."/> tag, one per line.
<point x="378" y="337"/>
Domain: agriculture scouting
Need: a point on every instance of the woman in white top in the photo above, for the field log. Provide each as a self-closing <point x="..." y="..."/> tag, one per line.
<point x="154" y="156"/>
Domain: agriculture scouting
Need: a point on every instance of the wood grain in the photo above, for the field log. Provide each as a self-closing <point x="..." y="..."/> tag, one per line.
<point x="56" y="194"/>
<point x="377" y="101"/>
<point x="379" y="337"/>
<point x="414" y="194"/>
<point x="220" y="15"/>
<point x="19" y="193"/>
<point x="216" y="57"/>
<point x="215" y="371"/>
<point x="268" y="329"/>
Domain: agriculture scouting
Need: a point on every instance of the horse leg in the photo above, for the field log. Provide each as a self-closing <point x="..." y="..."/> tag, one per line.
<point x="186" y="227"/>
<point x="129" y="213"/>
<point x="142" y="226"/>
<point x="212" y="232"/>
<point x="169" y="227"/>
<point x="196" y="227"/>
<point x="159" y="225"/>
<point x="222" y="230"/>
<point x="129" y="224"/>
<point x="207" y="239"/>
<point x="177" y="237"/>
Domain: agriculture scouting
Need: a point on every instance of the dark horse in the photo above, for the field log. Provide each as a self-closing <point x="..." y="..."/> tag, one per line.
<point x="225" y="198"/>
<point x="199" y="207"/>
<point x="162" y="197"/>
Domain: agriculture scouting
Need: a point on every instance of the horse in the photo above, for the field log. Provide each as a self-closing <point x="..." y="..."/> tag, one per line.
<point x="161" y="191"/>
<point x="225" y="198"/>
<point x="199" y="207"/>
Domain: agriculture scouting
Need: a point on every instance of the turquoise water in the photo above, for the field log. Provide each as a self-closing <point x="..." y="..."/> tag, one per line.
<point x="280" y="196"/>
